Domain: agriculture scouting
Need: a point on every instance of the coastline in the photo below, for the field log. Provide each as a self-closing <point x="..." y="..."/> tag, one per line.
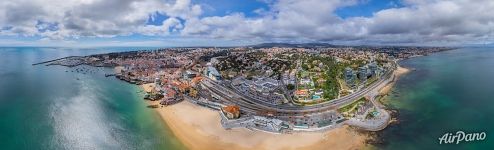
<point x="199" y="128"/>
<point x="147" y="87"/>
<point x="400" y="71"/>
<point x="383" y="92"/>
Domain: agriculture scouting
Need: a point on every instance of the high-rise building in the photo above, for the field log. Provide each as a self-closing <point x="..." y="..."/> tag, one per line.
<point x="373" y="68"/>
<point x="349" y="76"/>
<point x="362" y="73"/>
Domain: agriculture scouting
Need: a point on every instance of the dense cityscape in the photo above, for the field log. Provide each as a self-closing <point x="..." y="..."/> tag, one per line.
<point x="246" y="74"/>
<point x="274" y="89"/>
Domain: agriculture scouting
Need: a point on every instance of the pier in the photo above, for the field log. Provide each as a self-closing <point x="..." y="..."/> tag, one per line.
<point x="110" y="75"/>
<point x="49" y="61"/>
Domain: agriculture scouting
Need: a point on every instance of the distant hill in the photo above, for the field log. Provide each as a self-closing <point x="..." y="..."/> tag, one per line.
<point x="300" y="45"/>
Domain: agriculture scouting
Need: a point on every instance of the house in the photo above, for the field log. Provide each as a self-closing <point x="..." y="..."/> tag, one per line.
<point x="231" y="112"/>
<point x="301" y="93"/>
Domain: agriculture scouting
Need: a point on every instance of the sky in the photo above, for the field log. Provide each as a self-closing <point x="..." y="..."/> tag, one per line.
<point x="171" y="23"/>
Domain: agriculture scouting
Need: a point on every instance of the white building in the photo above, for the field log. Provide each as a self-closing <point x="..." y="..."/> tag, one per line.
<point x="212" y="73"/>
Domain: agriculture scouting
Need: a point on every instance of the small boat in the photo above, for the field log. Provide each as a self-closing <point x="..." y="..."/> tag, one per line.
<point x="153" y="106"/>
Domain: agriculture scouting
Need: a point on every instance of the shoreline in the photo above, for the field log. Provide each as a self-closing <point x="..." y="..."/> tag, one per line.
<point x="400" y="71"/>
<point x="147" y="87"/>
<point x="200" y="128"/>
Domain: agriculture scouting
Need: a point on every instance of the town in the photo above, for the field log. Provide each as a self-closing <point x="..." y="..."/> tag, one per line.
<point x="268" y="88"/>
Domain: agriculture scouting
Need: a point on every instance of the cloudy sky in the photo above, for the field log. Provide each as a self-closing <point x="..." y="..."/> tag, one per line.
<point x="244" y="22"/>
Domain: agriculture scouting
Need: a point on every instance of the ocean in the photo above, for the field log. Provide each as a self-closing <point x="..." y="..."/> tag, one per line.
<point x="447" y="92"/>
<point x="56" y="107"/>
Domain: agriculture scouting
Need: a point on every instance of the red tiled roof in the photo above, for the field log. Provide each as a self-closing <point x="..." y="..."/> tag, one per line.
<point x="232" y="109"/>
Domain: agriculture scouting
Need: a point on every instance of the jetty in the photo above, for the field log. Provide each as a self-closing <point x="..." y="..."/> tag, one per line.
<point x="49" y="61"/>
<point x="110" y="75"/>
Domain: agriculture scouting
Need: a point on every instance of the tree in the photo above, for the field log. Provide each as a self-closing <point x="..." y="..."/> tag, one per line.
<point x="290" y="87"/>
<point x="305" y="67"/>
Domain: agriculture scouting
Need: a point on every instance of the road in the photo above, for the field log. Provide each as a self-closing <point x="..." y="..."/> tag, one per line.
<point x="253" y="105"/>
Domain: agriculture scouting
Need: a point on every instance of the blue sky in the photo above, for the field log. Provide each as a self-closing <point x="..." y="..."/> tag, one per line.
<point x="248" y="8"/>
<point x="243" y="22"/>
<point x="367" y="8"/>
<point x="225" y="7"/>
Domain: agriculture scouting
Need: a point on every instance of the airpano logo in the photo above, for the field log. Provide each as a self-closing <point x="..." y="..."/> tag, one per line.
<point x="461" y="136"/>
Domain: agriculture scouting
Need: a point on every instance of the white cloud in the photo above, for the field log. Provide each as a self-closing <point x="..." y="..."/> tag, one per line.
<point x="290" y="19"/>
<point x="168" y="26"/>
<point x="90" y="18"/>
<point x="418" y="22"/>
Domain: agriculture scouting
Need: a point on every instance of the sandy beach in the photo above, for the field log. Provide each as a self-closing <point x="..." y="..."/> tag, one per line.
<point x="398" y="72"/>
<point x="118" y="69"/>
<point x="199" y="128"/>
<point x="147" y="87"/>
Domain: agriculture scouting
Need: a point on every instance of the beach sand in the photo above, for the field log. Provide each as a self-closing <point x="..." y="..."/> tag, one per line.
<point x="199" y="128"/>
<point x="118" y="69"/>
<point x="398" y="72"/>
<point x="148" y="87"/>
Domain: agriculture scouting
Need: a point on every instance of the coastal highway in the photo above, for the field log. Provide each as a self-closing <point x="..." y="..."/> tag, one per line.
<point x="253" y="104"/>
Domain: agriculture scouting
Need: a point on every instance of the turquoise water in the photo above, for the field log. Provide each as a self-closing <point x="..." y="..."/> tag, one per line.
<point x="46" y="107"/>
<point x="448" y="92"/>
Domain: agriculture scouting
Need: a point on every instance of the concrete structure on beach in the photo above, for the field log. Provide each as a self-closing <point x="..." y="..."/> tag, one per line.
<point x="231" y="112"/>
